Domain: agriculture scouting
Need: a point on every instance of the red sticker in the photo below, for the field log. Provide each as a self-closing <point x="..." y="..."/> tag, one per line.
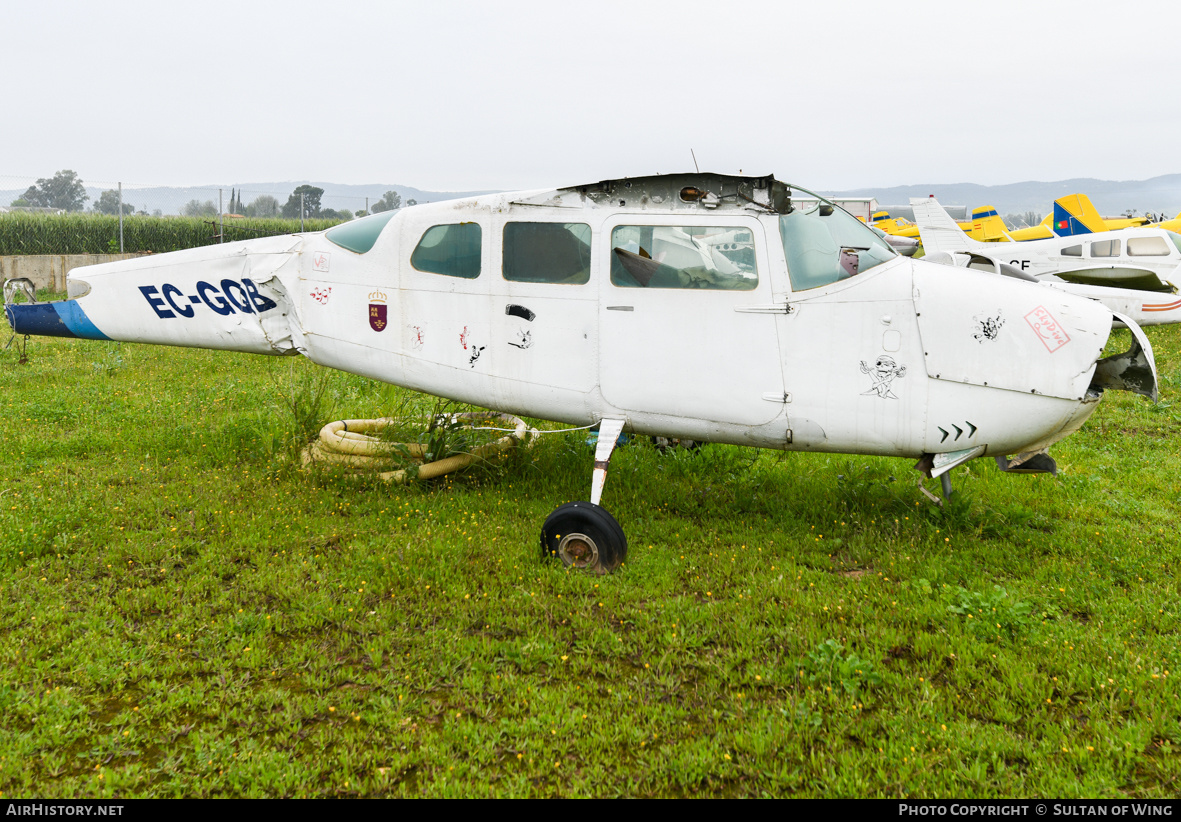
<point x="1048" y="330"/>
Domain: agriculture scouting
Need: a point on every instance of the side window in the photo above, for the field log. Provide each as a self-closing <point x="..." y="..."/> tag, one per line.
<point x="1073" y="251"/>
<point x="1106" y="248"/>
<point x="1148" y="247"/>
<point x="547" y="253"/>
<point x="452" y="250"/>
<point x="707" y="257"/>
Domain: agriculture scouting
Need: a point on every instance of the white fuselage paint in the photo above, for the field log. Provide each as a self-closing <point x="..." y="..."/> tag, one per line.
<point x="899" y="360"/>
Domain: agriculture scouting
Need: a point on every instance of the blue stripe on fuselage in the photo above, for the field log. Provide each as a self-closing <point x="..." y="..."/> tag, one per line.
<point x="61" y="319"/>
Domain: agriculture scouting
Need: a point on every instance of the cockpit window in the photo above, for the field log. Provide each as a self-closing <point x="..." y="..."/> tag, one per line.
<point x="452" y="250"/>
<point x="662" y="256"/>
<point x="1072" y="251"/>
<point x="359" y="235"/>
<point x="824" y="244"/>
<point x="1176" y="238"/>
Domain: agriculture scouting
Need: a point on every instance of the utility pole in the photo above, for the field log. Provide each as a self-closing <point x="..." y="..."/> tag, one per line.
<point x="300" y="213"/>
<point x="366" y="206"/>
<point x="120" y="218"/>
<point x="221" y="219"/>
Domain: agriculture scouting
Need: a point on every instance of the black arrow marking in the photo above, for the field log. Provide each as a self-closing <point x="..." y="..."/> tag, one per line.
<point x="958" y="431"/>
<point x="972" y="427"/>
<point x="945" y="433"/>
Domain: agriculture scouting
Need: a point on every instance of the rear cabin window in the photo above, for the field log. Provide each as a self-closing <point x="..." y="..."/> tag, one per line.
<point x="1107" y="248"/>
<point x="1148" y="247"/>
<point x="719" y="258"/>
<point x="360" y="235"/>
<point x="547" y="253"/>
<point x="1072" y="251"/>
<point x="452" y="250"/>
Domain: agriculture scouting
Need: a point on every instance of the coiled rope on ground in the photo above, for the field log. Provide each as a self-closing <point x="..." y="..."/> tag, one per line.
<point x="354" y="444"/>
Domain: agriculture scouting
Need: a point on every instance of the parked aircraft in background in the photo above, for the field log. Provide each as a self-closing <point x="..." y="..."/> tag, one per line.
<point x="906" y="246"/>
<point x="894" y="226"/>
<point x="1133" y="271"/>
<point x="693" y="306"/>
<point x="985" y="225"/>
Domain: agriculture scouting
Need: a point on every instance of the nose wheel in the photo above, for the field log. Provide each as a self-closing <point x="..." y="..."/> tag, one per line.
<point x="583" y="534"/>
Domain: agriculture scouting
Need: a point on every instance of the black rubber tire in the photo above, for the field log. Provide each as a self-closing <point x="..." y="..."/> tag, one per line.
<point x="593" y="539"/>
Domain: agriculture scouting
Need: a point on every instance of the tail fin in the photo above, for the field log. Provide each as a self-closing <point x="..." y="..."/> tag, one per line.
<point x="987" y="226"/>
<point x="939" y="232"/>
<point x="1074" y="214"/>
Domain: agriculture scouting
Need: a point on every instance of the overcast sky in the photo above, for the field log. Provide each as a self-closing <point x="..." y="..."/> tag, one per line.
<point x="448" y="95"/>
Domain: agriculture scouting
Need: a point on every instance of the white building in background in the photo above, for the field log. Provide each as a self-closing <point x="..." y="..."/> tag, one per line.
<point x="860" y="207"/>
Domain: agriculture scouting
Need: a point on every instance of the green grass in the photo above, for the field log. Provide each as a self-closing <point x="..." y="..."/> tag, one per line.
<point x="184" y="613"/>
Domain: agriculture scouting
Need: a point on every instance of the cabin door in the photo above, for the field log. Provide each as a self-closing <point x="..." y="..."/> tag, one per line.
<point x="687" y="327"/>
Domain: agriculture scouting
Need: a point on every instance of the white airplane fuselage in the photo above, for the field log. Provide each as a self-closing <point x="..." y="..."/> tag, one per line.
<point x="896" y="360"/>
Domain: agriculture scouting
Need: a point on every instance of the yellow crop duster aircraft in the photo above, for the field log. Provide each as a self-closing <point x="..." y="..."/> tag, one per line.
<point x="1072" y="214"/>
<point x="894" y="226"/>
<point x="985" y="225"/>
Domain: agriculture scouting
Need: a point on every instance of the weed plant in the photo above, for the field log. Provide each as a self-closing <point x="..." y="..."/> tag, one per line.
<point x="186" y="613"/>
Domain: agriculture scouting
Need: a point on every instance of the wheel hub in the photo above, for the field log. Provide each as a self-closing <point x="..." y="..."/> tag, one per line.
<point x="578" y="551"/>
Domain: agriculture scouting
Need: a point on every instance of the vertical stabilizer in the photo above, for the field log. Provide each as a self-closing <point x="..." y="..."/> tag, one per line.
<point x="1074" y="214"/>
<point x="939" y="232"/>
<point x="987" y="226"/>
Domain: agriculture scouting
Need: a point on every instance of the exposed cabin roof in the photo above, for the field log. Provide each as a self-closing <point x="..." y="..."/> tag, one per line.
<point x="670" y="192"/>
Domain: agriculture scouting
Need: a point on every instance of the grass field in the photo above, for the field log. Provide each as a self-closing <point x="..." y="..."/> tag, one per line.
<point x="185" y="613"/>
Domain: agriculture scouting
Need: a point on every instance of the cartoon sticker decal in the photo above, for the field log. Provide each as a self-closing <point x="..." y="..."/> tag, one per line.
<point x="883" y="372"/>
<point x="1048" y="330"/>
<point x="988" y="328"/>
<point x="524" y="339"/>
<point x="377" y="311"/>
<point x="321" y="294"/>
<point x="959" y="432"/>
<point x="417" y="337"/>
<point x="466" y="341"/>
<point x="320" y="261"/>
<point x="519" y="311"/>
<point x="524" y="335"/>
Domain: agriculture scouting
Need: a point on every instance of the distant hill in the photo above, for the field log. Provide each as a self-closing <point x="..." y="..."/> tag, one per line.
<point x="1158" y="195"/>
<point x="1111" y="197"/>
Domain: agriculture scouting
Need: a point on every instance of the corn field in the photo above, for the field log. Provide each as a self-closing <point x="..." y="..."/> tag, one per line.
<point x="22" y="233"/>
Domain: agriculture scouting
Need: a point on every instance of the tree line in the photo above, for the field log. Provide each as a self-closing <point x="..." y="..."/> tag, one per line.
<point x="64" y="191"/>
